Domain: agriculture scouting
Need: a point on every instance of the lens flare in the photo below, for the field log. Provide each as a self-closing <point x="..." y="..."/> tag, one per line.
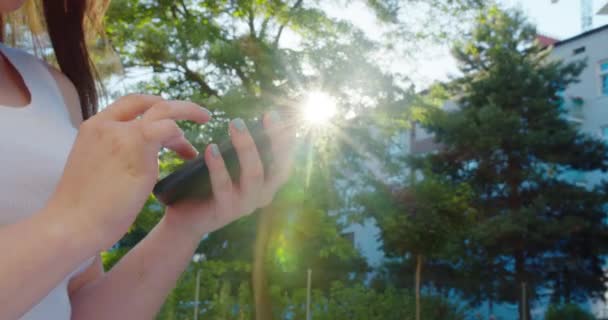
<point x="318" y="108"/>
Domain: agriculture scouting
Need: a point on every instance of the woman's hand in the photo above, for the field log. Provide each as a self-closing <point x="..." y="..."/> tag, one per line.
<point x="255" y="188"/>
<point x="113" y="165"/>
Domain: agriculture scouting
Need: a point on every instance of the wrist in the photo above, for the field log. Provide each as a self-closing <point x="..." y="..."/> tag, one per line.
<point x="64" y="234"/>
<point x="180" y="229"/>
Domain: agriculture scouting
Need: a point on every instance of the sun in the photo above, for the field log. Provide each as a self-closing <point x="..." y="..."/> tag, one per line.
<point x="318" y="108"/>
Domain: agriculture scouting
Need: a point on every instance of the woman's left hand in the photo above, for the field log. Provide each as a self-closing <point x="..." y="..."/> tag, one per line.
<point x="255" y="189"/>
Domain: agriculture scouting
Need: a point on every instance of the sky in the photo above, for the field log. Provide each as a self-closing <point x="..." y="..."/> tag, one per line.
<point x="560" y="20"/>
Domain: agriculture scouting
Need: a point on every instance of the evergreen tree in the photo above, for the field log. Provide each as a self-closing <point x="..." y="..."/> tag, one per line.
<point x="511" y="143"/>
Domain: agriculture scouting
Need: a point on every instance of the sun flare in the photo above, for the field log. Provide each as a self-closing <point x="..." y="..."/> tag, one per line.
<point x="318" y="108"/>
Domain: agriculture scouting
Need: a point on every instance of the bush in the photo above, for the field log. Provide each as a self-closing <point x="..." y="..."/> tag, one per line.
<point x="362" y="303"/>
<point x="567" y="312"/>
<point x="227" y="301"/>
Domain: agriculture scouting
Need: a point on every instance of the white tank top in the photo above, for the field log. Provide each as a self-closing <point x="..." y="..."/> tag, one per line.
<point x="34" y="145"/>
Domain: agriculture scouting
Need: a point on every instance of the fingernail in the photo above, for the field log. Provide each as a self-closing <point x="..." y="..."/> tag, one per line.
<point x="215" y="151"/>
<point x="275" y="117"/>
<point x="207" y="111"/>
<point x="239" y="124"/>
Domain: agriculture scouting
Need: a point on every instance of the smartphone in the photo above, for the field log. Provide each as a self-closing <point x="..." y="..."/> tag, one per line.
<point x="191" y="180"/>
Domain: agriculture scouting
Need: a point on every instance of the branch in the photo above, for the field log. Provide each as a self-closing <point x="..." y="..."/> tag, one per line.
<point x="196" y="77"/>
<point x="252" y="22"/>
<point x="263" y="28"/>
<point x="174" y="11"/>
<point x="297" y="5"/>
<point x="186" y="11"/>
<point x="188" y="73"/>
<point x="244" y="79"/>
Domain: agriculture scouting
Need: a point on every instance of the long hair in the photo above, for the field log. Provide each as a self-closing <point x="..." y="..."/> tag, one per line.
<point x="69" y="25"/>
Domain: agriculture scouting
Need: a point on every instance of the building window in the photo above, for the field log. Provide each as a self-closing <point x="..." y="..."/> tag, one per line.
<point x="604" y="77"/>
<point x="579" y="50"/>
<point x="604" y="132"/>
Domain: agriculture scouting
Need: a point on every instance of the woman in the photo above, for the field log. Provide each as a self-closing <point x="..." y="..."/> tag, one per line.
<point x="68" y="194"/>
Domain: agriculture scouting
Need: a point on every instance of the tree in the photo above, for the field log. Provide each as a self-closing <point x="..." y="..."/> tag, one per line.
<point x="511" y="143"/>
<point x="229" y="56"/>
<point x="226" y="55"/>
<point x="418" y="220"/>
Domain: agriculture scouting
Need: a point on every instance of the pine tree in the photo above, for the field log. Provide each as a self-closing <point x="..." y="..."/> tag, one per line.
<point x="511" y="143"/>
<point x="417" y="221"/>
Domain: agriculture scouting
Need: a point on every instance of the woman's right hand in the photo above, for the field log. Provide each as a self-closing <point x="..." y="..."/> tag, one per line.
<point x="113" y="165"/>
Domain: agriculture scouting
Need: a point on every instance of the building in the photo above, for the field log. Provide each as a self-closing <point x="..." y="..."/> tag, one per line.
<point x="591" y="114"/>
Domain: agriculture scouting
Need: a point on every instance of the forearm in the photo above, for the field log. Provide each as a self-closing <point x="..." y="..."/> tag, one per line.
<point x="37" y="254"/>
<point x="137" y="286"/>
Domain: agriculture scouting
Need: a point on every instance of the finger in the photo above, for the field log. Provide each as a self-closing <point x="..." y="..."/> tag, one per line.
<point x="166" y="133"/>
<point x="177" y="110"/>
<point x="252" y="171"/>
<point x="182" y="147"/>
<point x="221" y="183"/>
<point x="161" y="131"/>
<point x="129" y="107"/>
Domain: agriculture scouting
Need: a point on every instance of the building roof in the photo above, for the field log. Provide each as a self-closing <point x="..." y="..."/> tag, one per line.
<point x="604" y="9"/>
<point x="583" y="35"/>
<point x="546" y="40"/>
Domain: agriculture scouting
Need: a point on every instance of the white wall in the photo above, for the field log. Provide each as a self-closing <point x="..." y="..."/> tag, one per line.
<point x="595" y="109"/>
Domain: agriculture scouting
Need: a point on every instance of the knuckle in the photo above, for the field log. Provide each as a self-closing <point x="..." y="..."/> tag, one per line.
<point x="129" y="97"/>
<point x="216" y="216"/>
<point x="244" y="209"/>
<point x="267" y="199"/>
<point x="132" y="96"/>
<point x="225" y="185"/>
<point x="175" y="128"/>
<point x="245" y="144"/>
<point x="90" y="125"/>
<point x="94" y="129"/>
<point x="256" y="173"/>
<point x="144" y="130"/>
<point x="161" y="108"/>
<point x="118" y="144"/>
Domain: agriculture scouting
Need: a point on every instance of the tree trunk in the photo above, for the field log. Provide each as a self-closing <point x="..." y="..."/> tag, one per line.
<point x="567" y="288"/>
<point x="419" y="260"/>
<point x="524" y="297"/>
<point x="263" y="307"/>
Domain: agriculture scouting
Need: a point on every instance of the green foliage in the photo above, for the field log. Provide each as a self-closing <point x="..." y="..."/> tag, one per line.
<point x="361" y="303"/>
<point x="234" y="302"/>
<point x="567" y="312"/>
<point x="223" y="293"/>
<point x="111" y="257"/>
<point x="422" y="218"/>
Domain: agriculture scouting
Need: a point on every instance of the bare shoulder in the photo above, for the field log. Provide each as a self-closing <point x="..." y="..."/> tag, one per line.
<point x="70" y="95"/>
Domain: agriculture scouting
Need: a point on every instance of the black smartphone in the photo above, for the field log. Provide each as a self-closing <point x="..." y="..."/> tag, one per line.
<point x="191" y="180"/>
